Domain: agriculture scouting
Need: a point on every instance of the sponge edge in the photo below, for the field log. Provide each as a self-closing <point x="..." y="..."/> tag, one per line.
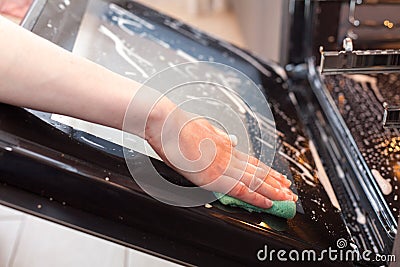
<point x="283" y="209"/>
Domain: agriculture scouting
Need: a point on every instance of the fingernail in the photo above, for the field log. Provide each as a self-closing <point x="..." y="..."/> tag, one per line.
<point x="287" y="191"/>
<point x="234" y="140"/>
<point x="286" y="183"/>
<point x="268" y="203"/>
<point x="295" y="197"/>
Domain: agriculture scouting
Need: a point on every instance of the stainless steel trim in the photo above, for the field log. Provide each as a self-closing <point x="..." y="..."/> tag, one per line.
<point x="353" y="155"/>
<point x="361" y="61"/>
<point x="33" y="14"/>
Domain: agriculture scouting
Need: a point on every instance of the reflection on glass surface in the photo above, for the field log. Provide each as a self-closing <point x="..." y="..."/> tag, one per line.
<point x="133" y="47"/>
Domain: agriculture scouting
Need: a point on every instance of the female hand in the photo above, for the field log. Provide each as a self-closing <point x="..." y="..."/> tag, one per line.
<point x="205" y="156"/>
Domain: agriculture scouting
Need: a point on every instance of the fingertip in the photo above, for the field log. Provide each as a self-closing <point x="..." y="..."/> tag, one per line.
<point x="234" y="140"/>
<point x="268" y="203"/>
<point x="289" y="196"/>
<point x="284" y="194"/>
<point x="292" y="195"/>
<point x="285" y="180"/>
<point x="279" y="176"/>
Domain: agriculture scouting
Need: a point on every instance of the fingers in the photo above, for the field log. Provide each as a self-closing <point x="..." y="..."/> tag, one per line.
<point x="268" y="171"/>
<point x="240" y="191"/>
<point x="295" y="197"/>
<point x="252" y="177"/>
<point x="262" y="179"/>
<point x="232" y="138"/>
<point x="268" y="187"/>
<point x="261" y="173"/>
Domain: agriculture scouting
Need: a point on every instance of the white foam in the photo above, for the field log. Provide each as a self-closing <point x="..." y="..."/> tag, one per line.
<point x="361" y="219"/>
<point x="323" y="177"/>
<point x="383" y="183"/>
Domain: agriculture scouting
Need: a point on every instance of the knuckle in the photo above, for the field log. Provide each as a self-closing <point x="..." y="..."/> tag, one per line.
<point x="240" y="190"/>
<point x="280" y="194"/>
<point x="256" y="183"/>
<point x="254" y="161"/>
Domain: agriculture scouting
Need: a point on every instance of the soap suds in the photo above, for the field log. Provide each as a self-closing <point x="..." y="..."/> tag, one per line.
<point x="384" y="184"/>
<point x="361" y="219"/>
<point x="323" y="177"/>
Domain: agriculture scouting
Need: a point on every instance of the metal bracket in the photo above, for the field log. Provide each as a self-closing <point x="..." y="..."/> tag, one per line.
<point x="391" y="116"/>
<point x="359" y="61"/>
<point x="365" y="62"/>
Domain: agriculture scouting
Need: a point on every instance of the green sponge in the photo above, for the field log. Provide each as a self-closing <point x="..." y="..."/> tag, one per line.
<point x="285" y="209"/>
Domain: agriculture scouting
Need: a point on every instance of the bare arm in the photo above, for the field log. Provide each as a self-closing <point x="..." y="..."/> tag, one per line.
<point x="37" y="74"/>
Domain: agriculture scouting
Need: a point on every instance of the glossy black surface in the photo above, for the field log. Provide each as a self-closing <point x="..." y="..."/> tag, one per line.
<point x="91" y="189"/>
<point x="79" y="185"/>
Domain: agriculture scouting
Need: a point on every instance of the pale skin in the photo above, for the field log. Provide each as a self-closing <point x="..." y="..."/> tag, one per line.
<point x="14" y="9"/>
<point x="37" y="74"/>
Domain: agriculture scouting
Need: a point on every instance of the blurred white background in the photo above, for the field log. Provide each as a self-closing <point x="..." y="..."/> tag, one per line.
<point x="252" y="24"/>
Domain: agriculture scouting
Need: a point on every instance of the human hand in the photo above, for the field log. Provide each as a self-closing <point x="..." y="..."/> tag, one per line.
<point x="206" y="156"/>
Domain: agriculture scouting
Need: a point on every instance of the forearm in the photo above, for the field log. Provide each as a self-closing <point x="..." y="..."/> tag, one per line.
<point x="37" y="74"/>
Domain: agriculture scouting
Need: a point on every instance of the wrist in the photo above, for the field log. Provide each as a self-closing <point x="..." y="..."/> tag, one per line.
<point x="158" y="116"/>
